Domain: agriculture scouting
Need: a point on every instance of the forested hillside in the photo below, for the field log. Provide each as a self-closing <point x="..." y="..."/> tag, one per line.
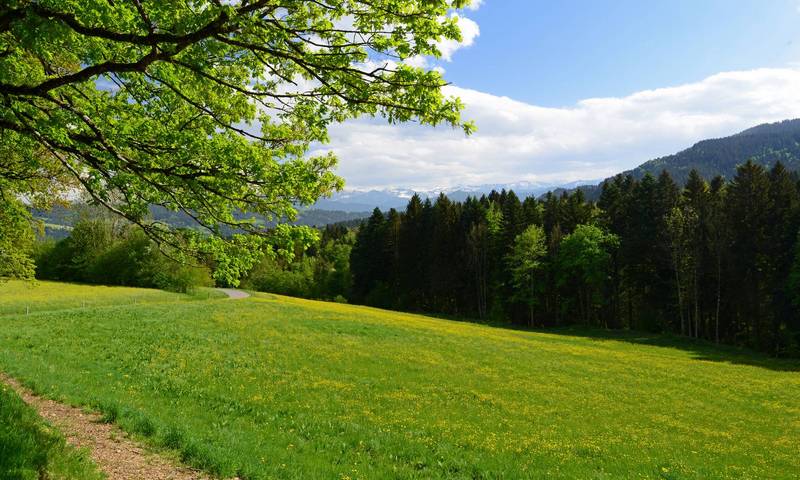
<point x="764" y="145"/>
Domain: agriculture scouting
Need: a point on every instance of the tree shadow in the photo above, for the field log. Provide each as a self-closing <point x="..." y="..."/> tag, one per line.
<point x="699" y="349"/>
<point x="702" y="350"/>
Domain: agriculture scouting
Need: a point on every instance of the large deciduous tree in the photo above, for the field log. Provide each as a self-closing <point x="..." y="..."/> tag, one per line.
<point x="584" y="262"/>
<point x="208" y="107"/>
<point x="526" y="260"/>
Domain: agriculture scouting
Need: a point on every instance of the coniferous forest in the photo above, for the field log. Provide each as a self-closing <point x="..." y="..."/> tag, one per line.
<point x="713" y="260"/>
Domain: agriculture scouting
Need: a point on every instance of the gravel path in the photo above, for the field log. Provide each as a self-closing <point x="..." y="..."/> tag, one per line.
<point x="233" y="293"/>
<point x="119" y="457"/>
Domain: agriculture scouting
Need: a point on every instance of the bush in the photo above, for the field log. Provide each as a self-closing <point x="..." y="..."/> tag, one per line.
<point x="270" y="276"/>
<point x="322" y="271"/>
<point x="339" y="299"/>
<point x="94" y="253"/>
<point x="182" y="278"/>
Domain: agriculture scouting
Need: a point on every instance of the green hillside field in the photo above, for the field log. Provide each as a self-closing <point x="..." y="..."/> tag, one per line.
<point x="277" y="387"/>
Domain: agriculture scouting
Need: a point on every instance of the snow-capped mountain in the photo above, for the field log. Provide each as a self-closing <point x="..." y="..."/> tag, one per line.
<point x="354" y="200"/>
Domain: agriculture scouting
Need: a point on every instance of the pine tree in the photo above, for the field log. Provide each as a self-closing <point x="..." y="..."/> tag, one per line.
<point x="782" y="231"/>
<point x="718" y="240"/>
<point x="695" y="203"/>
<point x="444" y="260"/>
<point x="391" y="252"/>
<point x="748" y="214"/>
<point x="367" y="257"/>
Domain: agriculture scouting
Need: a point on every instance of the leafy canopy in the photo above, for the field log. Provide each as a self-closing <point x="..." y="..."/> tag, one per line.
<point x="585" y="254"/>
<point x="208" y="107"/>
<point x="526" y="261"/>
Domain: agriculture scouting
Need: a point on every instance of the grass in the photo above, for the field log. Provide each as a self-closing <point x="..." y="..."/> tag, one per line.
<point x="18" y="297"/>
<point x="30" y="449"/>
<point x="276" y="387"/>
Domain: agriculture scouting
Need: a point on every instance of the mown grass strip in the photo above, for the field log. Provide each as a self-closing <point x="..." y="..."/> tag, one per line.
<point x="25" y="298"/>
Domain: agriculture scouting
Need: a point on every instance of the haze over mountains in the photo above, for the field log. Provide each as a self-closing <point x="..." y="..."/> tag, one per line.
<point x="765" y="144"/>
<point x="366" y="200"/>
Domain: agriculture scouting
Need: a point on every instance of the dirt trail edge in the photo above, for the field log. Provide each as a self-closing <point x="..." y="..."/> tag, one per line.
<point x="119" y="457"/>
<point x="233" y="293"/>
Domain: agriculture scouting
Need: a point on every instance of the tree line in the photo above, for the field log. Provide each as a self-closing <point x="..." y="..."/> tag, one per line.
<point x="104" y="249"/>
<point x="713" y="260"/>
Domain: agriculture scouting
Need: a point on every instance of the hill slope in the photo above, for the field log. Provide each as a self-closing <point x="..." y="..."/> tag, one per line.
<point x="275" y="387"/>
<point x="765" y="144"/>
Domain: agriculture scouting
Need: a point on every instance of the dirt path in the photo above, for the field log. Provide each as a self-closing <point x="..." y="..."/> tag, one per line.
<point x="119" y="457"/>
<point x="233" y="293"/>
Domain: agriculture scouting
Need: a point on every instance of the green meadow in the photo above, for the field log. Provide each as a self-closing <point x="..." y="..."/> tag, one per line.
<point x="277" y="387"/>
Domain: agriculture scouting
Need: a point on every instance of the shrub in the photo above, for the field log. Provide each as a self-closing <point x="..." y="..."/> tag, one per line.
<point x="182" y="278"/>
<point x="270" y="276"/>
<point x="95" y="253"/>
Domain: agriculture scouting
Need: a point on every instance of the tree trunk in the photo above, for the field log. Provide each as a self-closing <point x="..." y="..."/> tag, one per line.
<point x="719" y="297"/>
<point x="680" y="298"/>
<point x="696" y="307"/>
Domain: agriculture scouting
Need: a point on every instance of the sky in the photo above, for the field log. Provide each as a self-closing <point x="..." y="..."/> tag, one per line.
<point x="581" y="90"/>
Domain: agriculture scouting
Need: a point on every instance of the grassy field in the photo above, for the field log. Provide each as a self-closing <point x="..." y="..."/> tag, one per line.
<point x="31" y="450"/>
<point x="275" y="387"/>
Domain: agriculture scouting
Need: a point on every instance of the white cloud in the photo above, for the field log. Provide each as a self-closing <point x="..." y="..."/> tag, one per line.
<point x="597" y="137"/>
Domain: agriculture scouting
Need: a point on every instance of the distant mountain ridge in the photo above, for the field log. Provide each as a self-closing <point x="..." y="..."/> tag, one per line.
<point x="765" y="144"/>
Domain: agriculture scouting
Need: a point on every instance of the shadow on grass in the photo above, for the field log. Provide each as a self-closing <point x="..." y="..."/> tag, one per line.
<point x="699" y="349"/>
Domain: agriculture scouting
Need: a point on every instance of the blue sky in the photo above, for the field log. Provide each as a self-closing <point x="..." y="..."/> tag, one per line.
<point x="554" y="53"/>
<point x="573" y="90"/>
